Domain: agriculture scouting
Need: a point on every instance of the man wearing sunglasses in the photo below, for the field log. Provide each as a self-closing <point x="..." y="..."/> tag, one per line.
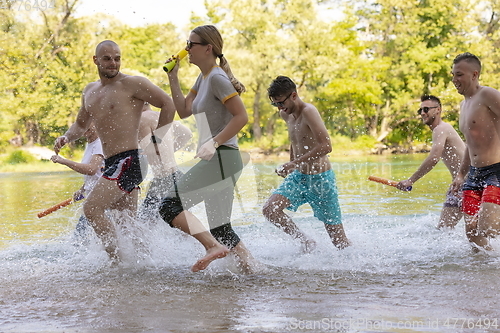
<point x="308" y="176"/>
<point x="480" y="124"/>
<point x="446" y="145"/>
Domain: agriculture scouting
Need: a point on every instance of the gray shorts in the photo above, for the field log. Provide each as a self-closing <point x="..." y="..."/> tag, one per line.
<point x="453" y="200"/>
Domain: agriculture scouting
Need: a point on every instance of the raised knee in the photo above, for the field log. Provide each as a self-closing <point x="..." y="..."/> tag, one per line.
<point x="226" y="235"/>
<point x="170" y="208"/>
<point x="91" y="212"/>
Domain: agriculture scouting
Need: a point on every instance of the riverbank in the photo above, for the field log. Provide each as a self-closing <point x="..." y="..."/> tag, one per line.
<point x="38" y="158"/>
<point x="45" y="165"/>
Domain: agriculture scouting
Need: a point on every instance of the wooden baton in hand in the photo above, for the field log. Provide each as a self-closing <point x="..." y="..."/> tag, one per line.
<point x="387" y="182"/>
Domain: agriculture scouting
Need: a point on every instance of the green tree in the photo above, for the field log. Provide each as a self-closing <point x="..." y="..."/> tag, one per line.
<point x="417" y="39"/>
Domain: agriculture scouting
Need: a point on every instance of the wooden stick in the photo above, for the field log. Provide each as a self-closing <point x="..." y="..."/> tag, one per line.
<point x="387" y="182"/>
<point x="55" y="207"/>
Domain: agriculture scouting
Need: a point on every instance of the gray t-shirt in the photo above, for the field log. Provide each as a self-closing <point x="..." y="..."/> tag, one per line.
<point x="212" y="91"/>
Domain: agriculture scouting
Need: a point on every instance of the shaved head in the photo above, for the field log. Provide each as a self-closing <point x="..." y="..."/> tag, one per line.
<point x="108" y="59"/>
<point x="103" y="44"/>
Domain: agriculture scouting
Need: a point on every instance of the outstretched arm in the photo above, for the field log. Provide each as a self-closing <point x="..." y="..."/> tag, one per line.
<point x="439" y="136"/>
<point x="89" y="169"/>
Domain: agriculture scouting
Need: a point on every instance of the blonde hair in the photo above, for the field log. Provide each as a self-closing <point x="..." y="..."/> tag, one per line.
<point x="210" y="35"/>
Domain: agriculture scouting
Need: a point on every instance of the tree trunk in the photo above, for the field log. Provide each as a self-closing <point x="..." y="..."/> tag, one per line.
<point x="257" y="132"/>
<point x="384" y="126"/>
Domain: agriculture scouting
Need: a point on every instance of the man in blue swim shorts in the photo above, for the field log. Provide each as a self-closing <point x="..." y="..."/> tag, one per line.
<point x="309" y="178"/>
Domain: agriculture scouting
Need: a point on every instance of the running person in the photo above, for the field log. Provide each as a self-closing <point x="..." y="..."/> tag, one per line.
<point x="160" y="157"/>
<point x="215" y="102"/>
<point x="480" y="124"/>
<point x="308" y="175"/>
<point x="90" y="167"/>
<point x="446" y="145"/>
<point x="114" y="104"/>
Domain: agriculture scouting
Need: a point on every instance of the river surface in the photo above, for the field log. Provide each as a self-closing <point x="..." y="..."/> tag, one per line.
<point x="401" y="274"/>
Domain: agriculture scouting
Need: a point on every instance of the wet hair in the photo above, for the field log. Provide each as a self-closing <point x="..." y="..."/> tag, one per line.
<point x="210" y="35"/>
<point x="469" y="58"/>
<point x="281" y="86"/>
<point x="430" y="98"/>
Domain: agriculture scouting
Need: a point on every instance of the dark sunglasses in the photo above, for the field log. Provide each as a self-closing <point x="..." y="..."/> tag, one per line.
<point x="426" y="109"/>
<point x="189" y="44"/>
<point x="282" y="103"/>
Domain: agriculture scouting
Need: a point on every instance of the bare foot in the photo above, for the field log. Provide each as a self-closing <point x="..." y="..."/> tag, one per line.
<point x="244" y="258"/>
<point x="481" y="249"/>
<point x="112" y="251"/>
<point x="308" y="245"/>
<point x="252" y="266"/>
<point x="213" y="253"/>
<point x="343" y="244"/>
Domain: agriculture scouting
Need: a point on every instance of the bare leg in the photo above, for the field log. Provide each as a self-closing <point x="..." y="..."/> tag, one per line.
<point x="488" y="221"/>
<point x="337" y="235"/>
<point x="449" y="217"/>
<point x="106" y="195"/>
<point x="273" y="212"/>
<point x="127" y="202"/>
<point x="188" y="223"/>
<point x="473" y="235"/>
<point x="245" y="259"/>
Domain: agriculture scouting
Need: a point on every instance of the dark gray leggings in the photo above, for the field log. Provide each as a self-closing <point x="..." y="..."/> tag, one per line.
<point x="213" y="182"/>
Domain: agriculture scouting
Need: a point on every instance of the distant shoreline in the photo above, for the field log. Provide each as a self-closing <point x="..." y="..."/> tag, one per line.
<point x="43" y="164"/>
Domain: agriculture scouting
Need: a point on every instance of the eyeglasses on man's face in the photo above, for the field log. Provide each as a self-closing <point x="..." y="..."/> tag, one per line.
<point x="282" y="103"/>
<point x="189" y="44"/>
<point x="426" y="109"/>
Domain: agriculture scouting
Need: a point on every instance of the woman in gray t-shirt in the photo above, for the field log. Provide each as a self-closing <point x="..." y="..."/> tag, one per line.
<point x="220" y="114"/>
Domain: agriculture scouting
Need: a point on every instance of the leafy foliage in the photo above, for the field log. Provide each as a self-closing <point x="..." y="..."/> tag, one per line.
<point x="364" y="72"/>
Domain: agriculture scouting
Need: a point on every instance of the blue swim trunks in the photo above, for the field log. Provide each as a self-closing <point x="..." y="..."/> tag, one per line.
<point x="319" y="191"/>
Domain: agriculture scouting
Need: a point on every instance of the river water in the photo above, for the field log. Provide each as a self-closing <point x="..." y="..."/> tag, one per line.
<point x="400" y="275"/>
